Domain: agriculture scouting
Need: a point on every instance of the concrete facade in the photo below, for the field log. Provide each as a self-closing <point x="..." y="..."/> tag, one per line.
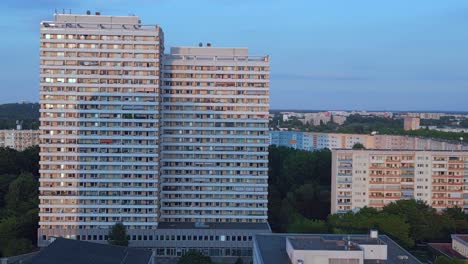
<point x="374" y="178"/>
<point x="173" y="146"/>
<point x="19" y="139"/>
<point x="315" y="141"/>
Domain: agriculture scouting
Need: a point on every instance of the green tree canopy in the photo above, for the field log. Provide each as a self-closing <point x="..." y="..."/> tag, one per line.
<point x="239" y="261"/>
<point x="358" y="146"/>
<point x="118" y="235"/>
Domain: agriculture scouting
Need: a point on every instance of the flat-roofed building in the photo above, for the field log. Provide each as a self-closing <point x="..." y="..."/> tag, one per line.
<point x="375" y="178"/>
<point x="411" y="123"/>
<point x="99" y="122"/>
<point x="201" y="183"/>
<point x="214" y="135"/>
<point x="19" y="139"/>
<point x="328" y="248"/>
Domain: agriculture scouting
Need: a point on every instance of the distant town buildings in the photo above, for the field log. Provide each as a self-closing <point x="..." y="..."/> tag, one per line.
<point x="375" y="178"/>
<point x="411" y="123"/>
<point x="19" y="139"/>
<point x="447" y="129"/>
<point x="317" y="119"/>
<point x="314" y="141"/>
<point x="332" y="249"/>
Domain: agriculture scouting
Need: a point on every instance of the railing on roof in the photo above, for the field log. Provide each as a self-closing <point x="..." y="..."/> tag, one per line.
<point x="87" y="25"/>
<point x="217" y="58"/>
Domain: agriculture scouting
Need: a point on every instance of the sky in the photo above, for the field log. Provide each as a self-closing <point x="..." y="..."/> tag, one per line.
<point x="327" y="55"/>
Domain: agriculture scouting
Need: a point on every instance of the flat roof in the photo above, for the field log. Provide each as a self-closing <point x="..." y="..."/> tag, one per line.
<point x="192" y="225"/>
<point x="72" y="251"/>
<point x="272" y="247"/>
<point x="319" y="243"/>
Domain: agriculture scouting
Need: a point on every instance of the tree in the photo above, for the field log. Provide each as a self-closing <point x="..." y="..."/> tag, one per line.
<point x="194" y="257"/>
<point x="118" y="235"/>
<point x="18" y="246"/>
<point x="446" y="260"/>
<point x="22" y="194"/>
<point x="239" y="260"/>
<point x="358" y="146"/>
<point x="301" y="224"/>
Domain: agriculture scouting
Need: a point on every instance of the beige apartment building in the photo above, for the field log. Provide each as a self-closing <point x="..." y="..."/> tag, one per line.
<point x="173" y="146"/>
<point x="411" y="123"/>
<point x="19" y="139"/>
<point x="375" y="178"/>
<point x="214" y="145"/>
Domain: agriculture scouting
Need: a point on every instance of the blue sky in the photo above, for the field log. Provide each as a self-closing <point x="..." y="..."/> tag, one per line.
<point x="335" y="54"/>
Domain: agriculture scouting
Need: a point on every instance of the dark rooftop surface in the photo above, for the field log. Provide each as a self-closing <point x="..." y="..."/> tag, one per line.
<point x="78" y="252"/>
<point x="273" y="246"/>
<point x="242" y="226"/>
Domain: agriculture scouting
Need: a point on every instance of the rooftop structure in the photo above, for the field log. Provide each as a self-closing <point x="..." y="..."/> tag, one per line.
<point x="326" y="248"/>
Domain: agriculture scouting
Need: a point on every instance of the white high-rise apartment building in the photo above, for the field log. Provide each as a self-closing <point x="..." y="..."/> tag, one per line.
<point x="215" y="107"/>
<point x="100" y="119"/>
<point x="375" y="178"/>
<point x="119" y="145"/>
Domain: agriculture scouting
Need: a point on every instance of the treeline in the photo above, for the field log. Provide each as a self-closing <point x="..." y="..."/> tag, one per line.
<point x="409" y="222"/>
<point x="299" y="202"/>
<point x="299" y="188"/>
<point x="28" y="113"/>
<point x="18" y="200"/>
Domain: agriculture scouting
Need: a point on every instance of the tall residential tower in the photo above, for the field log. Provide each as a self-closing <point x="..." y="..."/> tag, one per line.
<point x="214" y="145"/>
<point x="181" y="160"/>
<point x="100" y="118"/>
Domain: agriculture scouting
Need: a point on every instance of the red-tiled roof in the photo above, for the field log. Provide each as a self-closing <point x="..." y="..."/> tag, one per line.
<point x="446" y="248"/>
<point x="462" y="237"/>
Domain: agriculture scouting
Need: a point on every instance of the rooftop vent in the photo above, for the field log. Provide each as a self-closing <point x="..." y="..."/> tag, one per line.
<point x="88" y="12"/>
<point x="200" y="44"/>
<point x="98" y="13"/>
<point x="208" y="44"/>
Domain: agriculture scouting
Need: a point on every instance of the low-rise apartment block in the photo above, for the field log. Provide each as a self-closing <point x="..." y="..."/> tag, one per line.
<point x="375" y="178"/>
<point x="314" y="141"/>
<point x="19" y="139"/>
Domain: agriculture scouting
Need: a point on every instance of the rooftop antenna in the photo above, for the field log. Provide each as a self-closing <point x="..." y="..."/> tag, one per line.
<point x="55" y="11"/>
<point x="63" y="11"/>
